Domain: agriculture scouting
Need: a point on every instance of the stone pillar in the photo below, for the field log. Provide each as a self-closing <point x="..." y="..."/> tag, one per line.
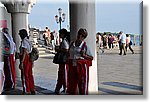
<point x="19" y="16"/>
<point x="82" y="15"/>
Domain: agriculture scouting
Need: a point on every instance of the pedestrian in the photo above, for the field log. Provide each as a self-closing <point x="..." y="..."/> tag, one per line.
<point x="119" y="41"/>
<point x="45" y="38"/>
<point x="111" y="41"/>
<point x="122" y="39"/>
<point x="79" y="61"/>
<point x="62" y="72"/>
<point x="49" y="37"/>
<point x="9" y="60"/>
<point x="129" y="43"/>
<point x="52" y="40"/>
<point x="99" y="42"/>
<point x="26" y="63"/>
<point x="104" y="38"/>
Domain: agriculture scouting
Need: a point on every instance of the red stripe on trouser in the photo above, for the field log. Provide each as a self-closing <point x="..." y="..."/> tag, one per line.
<point x="27" y="76"/>
<point x="7" y="72"/>
<point x="13" y="70"/>
<point x="78" y="77"/>
<point x="62" y="77"/>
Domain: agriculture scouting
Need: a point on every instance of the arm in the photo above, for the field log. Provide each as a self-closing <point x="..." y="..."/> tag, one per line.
<point x="86" y="56"/>
<point x="86" y="53"/>
<point x="64" y="47"/>
<point x="24" y="52"/>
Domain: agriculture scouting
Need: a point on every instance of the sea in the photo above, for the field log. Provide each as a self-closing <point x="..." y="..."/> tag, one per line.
<point x="138" y="40"/>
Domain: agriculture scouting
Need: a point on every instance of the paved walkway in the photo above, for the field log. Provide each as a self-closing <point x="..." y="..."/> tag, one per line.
<point x="120" y="74"/>
<point x="116" y="74"/>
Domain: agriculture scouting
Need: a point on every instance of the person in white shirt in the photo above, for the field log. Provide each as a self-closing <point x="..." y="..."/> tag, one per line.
<point x="26" y="63"/>
<point x="62" y="72"/>
<point x="9" y="61"/>
<point x="129" y="43"/>
<point x="79" y="61"/>
<point x="123" y="43"/>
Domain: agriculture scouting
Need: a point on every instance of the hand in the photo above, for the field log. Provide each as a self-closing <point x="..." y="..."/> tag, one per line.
<point x="83" y="54"/>
<point x="21" y="66"/>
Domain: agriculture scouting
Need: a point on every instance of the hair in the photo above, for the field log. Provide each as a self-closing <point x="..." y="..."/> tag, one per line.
<point x="5" y="30"/>
<point x="83" y="32"/>
<point x="63" y="31"/>
<point x="23" y="33"/>
<point x="104" y="33"/>
<point x="127" y="35"/>
<point x="98" y="33"/>
<point x="66" y="34"/>
<point x="120" y="32"/>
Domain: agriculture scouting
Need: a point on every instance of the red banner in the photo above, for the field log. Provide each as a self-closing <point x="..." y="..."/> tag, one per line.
<point x="3" y="23"/>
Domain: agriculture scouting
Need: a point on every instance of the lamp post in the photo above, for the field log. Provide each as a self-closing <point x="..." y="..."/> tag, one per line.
<point x="61" y="17"/>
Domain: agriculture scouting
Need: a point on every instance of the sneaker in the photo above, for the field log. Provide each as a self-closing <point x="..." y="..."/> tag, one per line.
<point x="64" y="92"/>
<point x="26" y="93"/>
<point x="33" y="93"/>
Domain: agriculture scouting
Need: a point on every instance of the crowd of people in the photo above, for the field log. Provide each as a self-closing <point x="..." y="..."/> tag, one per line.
<point x="110" y="41"/>
<point x="72" y="74"/>
<point x="76" y="58"/>
<point x="51" y="38"/>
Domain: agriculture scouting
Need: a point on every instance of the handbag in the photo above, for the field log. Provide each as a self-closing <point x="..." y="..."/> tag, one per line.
<point x="60" y="58"/>
<point x="130" y="42"/>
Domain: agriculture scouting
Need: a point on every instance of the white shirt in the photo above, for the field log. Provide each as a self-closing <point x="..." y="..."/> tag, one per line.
<point x="127" y="40"/>
<point x="12" y="44"/>
<point x="65" y="44"/>
<point x="75" y="51"/>
<point x="27" y="45"/>
<point x="123" y="38"/>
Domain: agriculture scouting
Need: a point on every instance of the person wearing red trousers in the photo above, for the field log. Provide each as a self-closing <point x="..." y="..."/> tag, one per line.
<point x="26" y="63"/>
<point x="63" y="68"/>
<point x="9" y="61"/>
<point x="79" y="61"/>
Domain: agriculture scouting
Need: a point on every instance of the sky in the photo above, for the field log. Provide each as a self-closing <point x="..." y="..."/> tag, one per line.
<point x="111" y="15"/>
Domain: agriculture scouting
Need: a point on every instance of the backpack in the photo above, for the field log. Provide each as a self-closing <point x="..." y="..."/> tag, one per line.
<point x="34" y="55"/>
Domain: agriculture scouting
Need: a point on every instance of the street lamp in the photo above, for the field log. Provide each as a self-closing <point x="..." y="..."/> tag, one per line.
<point x="61" y="17"/>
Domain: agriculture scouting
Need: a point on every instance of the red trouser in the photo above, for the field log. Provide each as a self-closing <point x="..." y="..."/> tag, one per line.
<point x="62" y="77"/>
<point x="13" y="69"/>
<point x="26" y="75"/>
<point x="9" y="71"/>
<point x="78" y="76"/>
